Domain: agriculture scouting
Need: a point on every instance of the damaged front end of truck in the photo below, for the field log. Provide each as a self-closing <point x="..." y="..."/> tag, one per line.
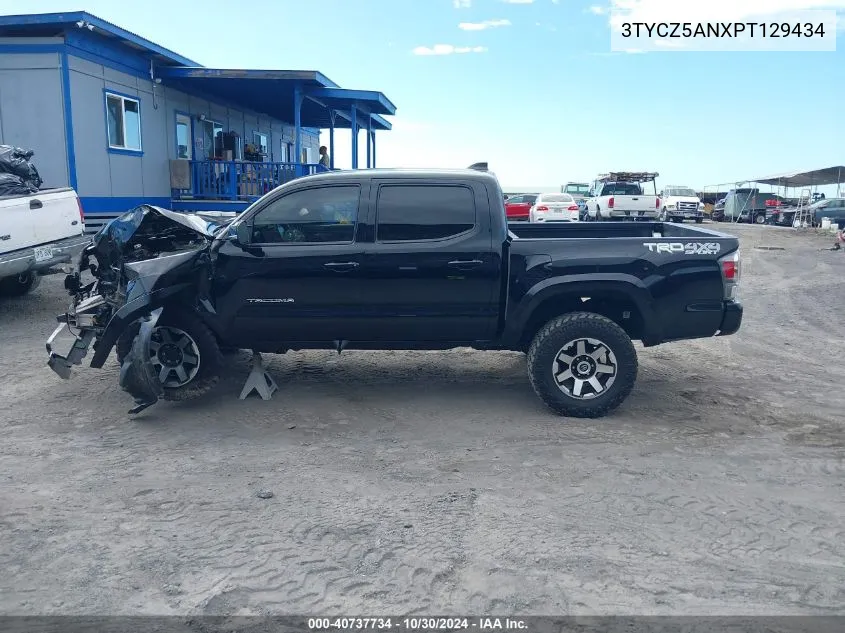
<point x="144" y="263"/>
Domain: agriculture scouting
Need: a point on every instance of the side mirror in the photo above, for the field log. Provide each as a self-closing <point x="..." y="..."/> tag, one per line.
<point x="243" y="234"/>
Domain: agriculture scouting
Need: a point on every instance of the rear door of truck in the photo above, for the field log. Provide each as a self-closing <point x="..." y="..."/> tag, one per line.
<point x="432" y="272"/>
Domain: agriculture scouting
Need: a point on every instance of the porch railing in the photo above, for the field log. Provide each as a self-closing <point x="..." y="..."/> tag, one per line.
<point x="241" y="180"/>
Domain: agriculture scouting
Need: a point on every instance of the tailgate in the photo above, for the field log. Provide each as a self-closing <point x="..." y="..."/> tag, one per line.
<point x="643" y="202"/>
<point x="55" y="215"/>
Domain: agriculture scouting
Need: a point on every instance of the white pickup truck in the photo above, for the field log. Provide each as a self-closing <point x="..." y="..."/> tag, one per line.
<point x="680" y="203"/>
<point x="38" y="232"/>
<point x="621" y="196"/>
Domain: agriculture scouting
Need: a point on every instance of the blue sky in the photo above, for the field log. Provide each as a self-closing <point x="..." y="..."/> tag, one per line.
<point x="538" y="93"/>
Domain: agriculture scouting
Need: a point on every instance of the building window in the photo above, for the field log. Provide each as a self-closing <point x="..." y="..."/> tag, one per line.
<point x="207" y="142"/>
<point x="124" y="122"/>
<point x="184" y="147"/>
<point x="412" y="213"/>
<point x="260" y="140"/>
<point x="285" y="152"/>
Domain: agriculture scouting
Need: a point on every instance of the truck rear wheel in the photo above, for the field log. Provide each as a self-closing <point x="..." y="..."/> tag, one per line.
<point x="582" y="365"/>
<point x="184" y="353"/>
<point x="19" y="285"/>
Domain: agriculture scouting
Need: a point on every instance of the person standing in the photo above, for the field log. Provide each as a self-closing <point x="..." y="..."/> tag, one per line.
<point x="325" y="161"/>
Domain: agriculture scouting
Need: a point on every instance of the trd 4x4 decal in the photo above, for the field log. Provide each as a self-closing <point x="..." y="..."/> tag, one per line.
<point x="688" y="248"/>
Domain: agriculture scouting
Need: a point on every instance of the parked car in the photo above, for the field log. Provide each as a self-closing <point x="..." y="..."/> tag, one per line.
<point x="750" y="205"/>
<point x="718" y="214"/>
<point x="620" y="196"/>
<point x="555" y="207"/>
<point x="38" y="232"/>
<point x="518" y="208"/>
<point x="426" y="261"/>
<point x="680" y="203"/>
<point x="833" y="208"/>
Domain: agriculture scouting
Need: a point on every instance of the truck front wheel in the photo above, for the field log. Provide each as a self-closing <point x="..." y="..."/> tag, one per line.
<point x="19" y="285"/>
<point x="582" y="365"/>
<point x="184" y="353"/>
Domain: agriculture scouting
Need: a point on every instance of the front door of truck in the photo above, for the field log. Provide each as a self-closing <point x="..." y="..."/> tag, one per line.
<point x="297" y="280"/>
<point x="432" y="272"/>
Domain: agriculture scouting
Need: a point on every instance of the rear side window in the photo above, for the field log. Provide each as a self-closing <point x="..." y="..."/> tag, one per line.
<point x="622" y="189"/>
<point x="410" y="213"/>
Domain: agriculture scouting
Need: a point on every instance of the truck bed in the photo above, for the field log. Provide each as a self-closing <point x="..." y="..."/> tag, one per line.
<point x="593" y="230"/>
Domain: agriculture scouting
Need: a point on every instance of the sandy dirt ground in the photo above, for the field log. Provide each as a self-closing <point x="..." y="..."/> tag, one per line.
<point x="437" y="482"/>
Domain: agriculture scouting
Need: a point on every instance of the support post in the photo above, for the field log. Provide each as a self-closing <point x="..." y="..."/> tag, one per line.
<point x="374" y="149"/>
<point x="332" y="118"/>
<point x="369" y="140"/>
<point x="297" y="131"/>
<point x="354" y="137"/>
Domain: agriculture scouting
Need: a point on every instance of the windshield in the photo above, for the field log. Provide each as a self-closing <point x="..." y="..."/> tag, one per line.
<point x="556" y="197"/>
<point x="681" y="191"/>
<point x="577" y="189"/>
<point x="621" y="189"/>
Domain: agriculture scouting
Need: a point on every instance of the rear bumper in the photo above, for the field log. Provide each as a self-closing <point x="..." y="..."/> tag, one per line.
<point x="732" y="318"/>
<point x="24" y="260"/>
<point x="630" y="215"/>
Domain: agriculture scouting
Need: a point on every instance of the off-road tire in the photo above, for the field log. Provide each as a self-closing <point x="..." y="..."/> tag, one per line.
<point x="211" y="358"/>
<point x="19" y="285"/>
<point x="548" y="343"/>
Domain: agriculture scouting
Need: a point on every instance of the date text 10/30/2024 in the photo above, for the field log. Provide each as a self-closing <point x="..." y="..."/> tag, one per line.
<point x="416" y="624"/>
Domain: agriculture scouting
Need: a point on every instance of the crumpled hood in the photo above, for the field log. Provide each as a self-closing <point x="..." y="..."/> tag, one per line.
<point x="147" y="231"/>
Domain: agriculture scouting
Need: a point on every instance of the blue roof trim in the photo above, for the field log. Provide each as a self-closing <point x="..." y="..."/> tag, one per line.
<point x="194" y="72"/>
<point x="70" y="18"/>
<point x="375" y="101"/>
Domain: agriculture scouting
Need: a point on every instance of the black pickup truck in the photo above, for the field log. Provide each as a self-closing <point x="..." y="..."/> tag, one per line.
<point x="394" y="259"/>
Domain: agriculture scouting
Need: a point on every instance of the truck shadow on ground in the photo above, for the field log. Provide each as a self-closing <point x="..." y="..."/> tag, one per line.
<point x="459" y="384"/>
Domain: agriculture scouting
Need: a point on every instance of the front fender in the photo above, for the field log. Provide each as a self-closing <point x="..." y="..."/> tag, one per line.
<point x="624" y="286"/>
<point x="127" y="315"/>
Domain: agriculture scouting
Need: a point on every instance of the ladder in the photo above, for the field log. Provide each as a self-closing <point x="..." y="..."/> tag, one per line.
<point x="803" y="213"/>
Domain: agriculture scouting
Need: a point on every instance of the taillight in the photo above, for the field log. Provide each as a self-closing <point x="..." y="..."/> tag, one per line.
<point x="542" y="208"/>
<point x="610" y="203"/>
<point x="657" y="203"/>
<point x="572" y="207"/>
<point x="81" y="211"/>
<point x="731" y="272"/>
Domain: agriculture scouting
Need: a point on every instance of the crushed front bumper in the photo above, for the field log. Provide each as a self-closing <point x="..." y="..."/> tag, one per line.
<point x="78" y="350"/>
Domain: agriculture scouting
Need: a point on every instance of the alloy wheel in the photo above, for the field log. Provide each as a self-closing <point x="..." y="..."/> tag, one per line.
<point x="584" y="368"/>
<point x="174" y="355"/>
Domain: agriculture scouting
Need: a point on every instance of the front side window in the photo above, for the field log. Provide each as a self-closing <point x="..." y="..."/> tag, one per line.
<point x="409" y="213"/>
<point x="123" y="115"/>
<point x="515" y="200"/>
<point x="326" y="214"/>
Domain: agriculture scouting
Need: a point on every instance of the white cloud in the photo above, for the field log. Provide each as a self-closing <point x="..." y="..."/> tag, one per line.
<point x="447" y="49"/>
<point x="480" y="26"/>
<point x="462" y="4"/>
<point x="518" y="1"/>
<point x="597" y="10"/>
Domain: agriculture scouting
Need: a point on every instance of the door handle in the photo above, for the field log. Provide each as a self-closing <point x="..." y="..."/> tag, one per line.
<point x="35" y="204"/>
<point x="341" y="266"/>
<point x="465" y="263"/>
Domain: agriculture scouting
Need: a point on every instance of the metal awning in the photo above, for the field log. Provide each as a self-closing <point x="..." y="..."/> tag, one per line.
<point x="816" y="177"/>
<point x="272" y="92"/>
